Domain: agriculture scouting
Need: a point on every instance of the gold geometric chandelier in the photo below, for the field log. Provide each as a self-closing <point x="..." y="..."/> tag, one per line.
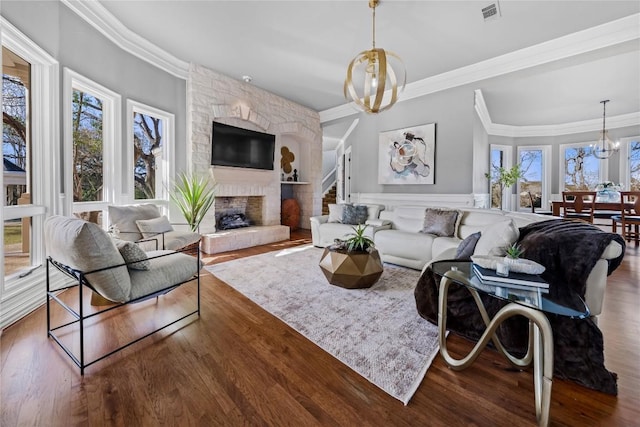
<point x="605" y="147"/>
<point x="371" y="74"/>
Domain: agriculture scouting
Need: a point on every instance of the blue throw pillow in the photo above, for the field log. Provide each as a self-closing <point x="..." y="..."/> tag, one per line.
<point x="355" y="215"/>
<point x="467" y="246"/>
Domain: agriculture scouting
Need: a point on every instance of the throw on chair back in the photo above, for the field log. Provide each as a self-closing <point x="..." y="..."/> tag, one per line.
<point x="579" y="205"/>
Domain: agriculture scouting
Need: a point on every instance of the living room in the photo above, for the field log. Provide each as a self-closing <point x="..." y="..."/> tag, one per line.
<point x="473" y="109"/>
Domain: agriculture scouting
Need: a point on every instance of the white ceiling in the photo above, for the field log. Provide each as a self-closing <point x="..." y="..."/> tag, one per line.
<point x="300" y="49"/>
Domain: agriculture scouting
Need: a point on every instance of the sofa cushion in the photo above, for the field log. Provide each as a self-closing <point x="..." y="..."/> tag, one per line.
<point x="440" y="222"/>
<point x="468" y="246"/>
<point x="85" y="246"/>
<point x="335" y="212"/>
<point x="495" y="238"/>
<point x="355" y="214"/>
<point x="132" y="253"/>
<point x="408" y="218"/>
<point x="154" y="226"/>
<point x="125" y="217"/>
<point x="405" y="245"/>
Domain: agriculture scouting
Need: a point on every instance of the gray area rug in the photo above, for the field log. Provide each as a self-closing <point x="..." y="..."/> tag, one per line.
<point x="377" y="332"/>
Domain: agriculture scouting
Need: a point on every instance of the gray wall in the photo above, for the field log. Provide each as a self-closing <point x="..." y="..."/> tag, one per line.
<point x="78" y="46"/>
<point x="452" y="111"/>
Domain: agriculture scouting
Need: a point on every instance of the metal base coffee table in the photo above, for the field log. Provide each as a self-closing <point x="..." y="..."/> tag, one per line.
<point x="532" y="304"/>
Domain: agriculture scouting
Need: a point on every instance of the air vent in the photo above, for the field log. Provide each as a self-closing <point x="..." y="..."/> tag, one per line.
<point x="491" y="12"/>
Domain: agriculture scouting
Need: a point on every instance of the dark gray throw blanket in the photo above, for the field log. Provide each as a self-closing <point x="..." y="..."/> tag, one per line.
<point x="569" y="250"/>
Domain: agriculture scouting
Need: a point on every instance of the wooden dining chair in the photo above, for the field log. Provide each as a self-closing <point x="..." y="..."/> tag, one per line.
<point x="629" y="217"/>
<point x="579" y="205"/>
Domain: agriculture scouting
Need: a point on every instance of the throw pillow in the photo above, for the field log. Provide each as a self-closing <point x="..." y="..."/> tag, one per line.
<point x="335" y="212"/>
<point x="354" y="214"/>
<point x="467" y="246"/>
<point x="495" y="238"/>
<point x="132" y="253"/>
<point x="153" y="227"/>
<point x="440" y="222"/>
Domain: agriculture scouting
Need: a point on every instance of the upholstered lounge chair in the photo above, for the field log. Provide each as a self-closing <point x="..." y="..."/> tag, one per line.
<point x="144" y="224"/>
<point x="118" y="271"/>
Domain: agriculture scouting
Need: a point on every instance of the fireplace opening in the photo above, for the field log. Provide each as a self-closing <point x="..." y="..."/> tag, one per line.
<point x="238" y="211"/>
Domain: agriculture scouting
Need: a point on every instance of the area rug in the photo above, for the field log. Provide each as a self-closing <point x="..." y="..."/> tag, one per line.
<point x="377" y="332"/>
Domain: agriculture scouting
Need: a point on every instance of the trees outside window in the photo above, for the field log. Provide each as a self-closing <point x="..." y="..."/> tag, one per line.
<point x="88" y="181"/>
<point x="147" y="146"/>
<point x="582" y="170"/>
<point x="634" y="165"/>
<point x="16" y="77"/>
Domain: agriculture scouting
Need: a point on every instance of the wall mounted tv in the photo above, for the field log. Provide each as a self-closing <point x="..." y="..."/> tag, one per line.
<point x="233" y="146"/>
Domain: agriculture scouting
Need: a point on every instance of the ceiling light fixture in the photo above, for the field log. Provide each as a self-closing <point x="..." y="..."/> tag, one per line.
<point x="374" y="74"/>
<point x="605" y="147"/>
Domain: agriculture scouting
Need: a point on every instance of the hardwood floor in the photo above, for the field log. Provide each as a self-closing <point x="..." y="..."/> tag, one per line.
<point x="238" y="365"/>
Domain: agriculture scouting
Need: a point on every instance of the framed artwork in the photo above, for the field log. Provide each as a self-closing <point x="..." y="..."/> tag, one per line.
<point x="407" y="156"/>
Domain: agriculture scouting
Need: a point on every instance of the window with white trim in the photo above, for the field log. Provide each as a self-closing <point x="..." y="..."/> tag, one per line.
<point x="150" y="145"/>
<point x="500" y="157"/>
<point x="534" y="188"/>
<point x="92" y="128"/>
<point x="579" y="168"/>
<point x="630" y="163"/>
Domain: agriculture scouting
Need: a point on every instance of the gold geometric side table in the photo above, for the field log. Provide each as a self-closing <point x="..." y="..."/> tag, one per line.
<point x="351" y="270"/>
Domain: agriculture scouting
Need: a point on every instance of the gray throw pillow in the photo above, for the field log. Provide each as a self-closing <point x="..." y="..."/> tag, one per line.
<point x="355" y="214"/>
<point x="132" y="253"/>
<point x="440" y="222"/>
<point x="153" y="227"/>
<point x="467" y="246"/>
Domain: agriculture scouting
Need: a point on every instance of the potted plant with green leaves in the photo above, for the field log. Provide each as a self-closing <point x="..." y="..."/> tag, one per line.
<point x="193" y="195"/>
<point x="513" y="254"/>
<point x="503" y="178"/>
<point x="353" y="262"/>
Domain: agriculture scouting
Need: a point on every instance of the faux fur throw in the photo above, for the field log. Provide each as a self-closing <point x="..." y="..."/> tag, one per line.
<point x="569" y="250"/>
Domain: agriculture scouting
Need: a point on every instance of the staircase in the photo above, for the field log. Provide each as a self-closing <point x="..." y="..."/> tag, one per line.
<point x="329" y="197"/>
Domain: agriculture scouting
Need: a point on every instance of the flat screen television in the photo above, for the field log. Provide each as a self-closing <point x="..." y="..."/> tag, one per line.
<point x="233" y="146"/>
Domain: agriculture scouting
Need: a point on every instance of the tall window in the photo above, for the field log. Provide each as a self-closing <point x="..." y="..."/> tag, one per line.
<point x="150" y="150"/>
<point x="581" y="169"/>
<point x="16" y="138"/>
<point x="93" y="147"/>
<point x="147" y="144"/>
<point x="500" y="157"/>
<point x="88" y="147"/>
<point x="534" y="187"/>
<point x="634" y="165"/>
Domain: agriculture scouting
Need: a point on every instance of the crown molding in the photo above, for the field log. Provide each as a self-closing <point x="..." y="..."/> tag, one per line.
<point x="102" y="20"/>
<point x="602" y="36"/>
<point x="591" y="125"/>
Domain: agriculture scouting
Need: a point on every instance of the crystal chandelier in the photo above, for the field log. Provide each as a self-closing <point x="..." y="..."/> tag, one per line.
<point x="605" y="147"/>
<point x="374" y="74"/>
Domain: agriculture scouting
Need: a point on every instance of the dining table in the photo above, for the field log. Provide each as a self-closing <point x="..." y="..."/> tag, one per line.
<point x="602" y="209"/>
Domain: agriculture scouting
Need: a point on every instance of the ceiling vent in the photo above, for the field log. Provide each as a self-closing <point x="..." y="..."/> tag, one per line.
<point x="491" y="12"/>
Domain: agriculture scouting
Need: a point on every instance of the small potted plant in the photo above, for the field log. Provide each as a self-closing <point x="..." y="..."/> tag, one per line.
<point x="357" y="241"/>
<point x="513" y="254"/>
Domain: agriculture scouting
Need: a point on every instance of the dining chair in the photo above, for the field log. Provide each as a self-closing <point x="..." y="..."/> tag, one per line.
<point x="629" y="217"/>
<point x="579" y="205"/>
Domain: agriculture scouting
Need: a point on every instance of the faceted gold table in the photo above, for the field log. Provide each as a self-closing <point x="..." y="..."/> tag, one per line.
<point x="351" y="270"/>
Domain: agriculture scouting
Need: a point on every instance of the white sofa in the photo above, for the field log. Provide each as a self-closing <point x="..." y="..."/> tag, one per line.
<point x="397" y="237"/>
<point x="325" y="229"/>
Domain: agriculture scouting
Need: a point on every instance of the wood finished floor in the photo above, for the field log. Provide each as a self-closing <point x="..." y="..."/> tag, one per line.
<point x="238" y="365"/>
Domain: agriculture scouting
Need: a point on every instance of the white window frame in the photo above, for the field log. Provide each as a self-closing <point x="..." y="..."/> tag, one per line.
<point x="624" y="176"/>
<point x="23" y="291"/>
<point x="507" y="201"/>
<point x="168" y="153"/>
<point x="603" y="173"/>
<point x="111" y="135"/>
<point x="546" y="175"/>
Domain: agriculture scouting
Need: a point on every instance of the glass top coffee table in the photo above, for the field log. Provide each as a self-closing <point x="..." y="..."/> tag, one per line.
<point x="531" y="303"/>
